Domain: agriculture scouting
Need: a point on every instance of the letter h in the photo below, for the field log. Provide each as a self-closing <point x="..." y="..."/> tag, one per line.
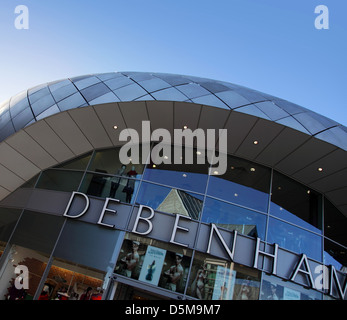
<point x="266" y="254"/>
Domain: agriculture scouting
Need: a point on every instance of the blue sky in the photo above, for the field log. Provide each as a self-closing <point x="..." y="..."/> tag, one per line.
<point x="268" y="45"/>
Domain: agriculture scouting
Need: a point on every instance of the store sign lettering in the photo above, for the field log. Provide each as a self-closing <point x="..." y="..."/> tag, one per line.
<point x="302" y="268"/>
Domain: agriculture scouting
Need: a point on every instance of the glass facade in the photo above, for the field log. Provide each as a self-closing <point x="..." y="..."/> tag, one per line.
<point x="47" y="99"/>
<point x="254" y="200"/>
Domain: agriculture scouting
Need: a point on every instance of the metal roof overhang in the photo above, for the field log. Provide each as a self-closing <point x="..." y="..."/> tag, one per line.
<point x="71" y="133"/>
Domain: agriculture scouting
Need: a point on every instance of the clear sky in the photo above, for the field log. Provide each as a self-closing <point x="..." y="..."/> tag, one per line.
<point x="268" y="45"/>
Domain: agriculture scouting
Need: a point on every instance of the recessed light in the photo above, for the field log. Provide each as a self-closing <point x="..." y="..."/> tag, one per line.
<point x="115" y="127"/>
<point x="252" y="169"/>
<point x="320" y="169"/>
<point x="255" y="142"/>
<point x="308" y="191"/>
<point x="185" y="127"/>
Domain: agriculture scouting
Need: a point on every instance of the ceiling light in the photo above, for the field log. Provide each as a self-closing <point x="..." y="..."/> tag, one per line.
<point x="215" y="172"/>
<point x="115" y="127"/>
<point x="320" y="169"/>
<point x="252" y="169"/>
<point x="255" y="142"/>
<point x="308" y="191"/>
<point x="185" y="127"/>
<point x="154" y="166"/>
<point x="184" y="175"/>
<point x="198" y="153"/>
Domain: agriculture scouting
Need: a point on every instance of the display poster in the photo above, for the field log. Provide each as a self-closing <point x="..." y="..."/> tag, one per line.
<point x="152" y="265"/>
<point x="290" y="294"/>
<point x="224" y="284"/>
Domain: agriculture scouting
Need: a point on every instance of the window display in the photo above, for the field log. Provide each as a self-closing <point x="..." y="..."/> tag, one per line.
<point x="154" y="262"/>
<point x="215" y="279"/>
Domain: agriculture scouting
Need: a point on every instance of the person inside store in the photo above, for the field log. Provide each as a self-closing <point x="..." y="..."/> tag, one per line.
<point x="87" y="294"/>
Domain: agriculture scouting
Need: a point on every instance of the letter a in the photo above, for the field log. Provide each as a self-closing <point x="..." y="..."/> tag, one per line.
<point x="21" y="21"/>
<point x="322" y="21"/>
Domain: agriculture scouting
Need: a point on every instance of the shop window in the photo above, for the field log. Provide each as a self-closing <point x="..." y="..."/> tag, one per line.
<point x="87" y="244"/>
<point x="59" y="180"/>
<point x="79" y="163"/>
<point x="154" y="262"/>
<point x="170" y="200"/>
<point x="22" y="273"/>
<point x="31" y="245"/>
<point x="69" y="281"/>
<point x="107" y="161"/>
<point x="276" y="289"/>
<point x="233" y="217"/>
<point x="215" y="279"/>
<point x="8" y="220"/>
<point x="295" y="203"/>
<point x="175" y="172"/>
<point x="105" y="186"/>
<point x="335" y="255"/>
<point x="244" y="183"/>
<point x="335" y="223"/>
<point x="295" y="239"/>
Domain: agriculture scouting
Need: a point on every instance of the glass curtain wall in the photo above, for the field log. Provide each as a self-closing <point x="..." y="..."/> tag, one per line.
<point x="249" y="198"/>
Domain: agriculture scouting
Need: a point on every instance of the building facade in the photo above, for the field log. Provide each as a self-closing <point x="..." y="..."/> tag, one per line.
<point x="76" y="222"/>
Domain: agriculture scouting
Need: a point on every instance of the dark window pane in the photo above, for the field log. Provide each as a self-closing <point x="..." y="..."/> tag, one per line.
<point x="295" y="239"/>
<point x="335" y="223"/>
<point x="170" y="200"/>
<point x="115" y="187"/>
<point x="293" y="202"/>
<point x="8" y="219"/>
<point x="80" y="163"/>
<point x="107" y="161"/>
<point x="86" y="244"/>
<point x="335" y="255"/>
<point x="244" y="183"/>
<point x="37" y="231"/>
<point x="59" y="180"/>
<point x="233" y="217"/>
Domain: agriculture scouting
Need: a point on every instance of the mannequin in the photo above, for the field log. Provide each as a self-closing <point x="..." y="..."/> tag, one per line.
<point x="129" y="188"/>
<point x="116" y="180"/>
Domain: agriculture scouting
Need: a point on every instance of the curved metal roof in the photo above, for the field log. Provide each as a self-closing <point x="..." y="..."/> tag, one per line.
<point x="46" y="125"/>
<point x="54" y="97"/>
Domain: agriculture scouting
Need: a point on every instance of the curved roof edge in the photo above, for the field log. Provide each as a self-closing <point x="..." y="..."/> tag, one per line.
<point x="50" y="98"/>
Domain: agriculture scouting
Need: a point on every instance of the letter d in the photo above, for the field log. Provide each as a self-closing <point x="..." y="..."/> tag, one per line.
<point x="74" y="194"/>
